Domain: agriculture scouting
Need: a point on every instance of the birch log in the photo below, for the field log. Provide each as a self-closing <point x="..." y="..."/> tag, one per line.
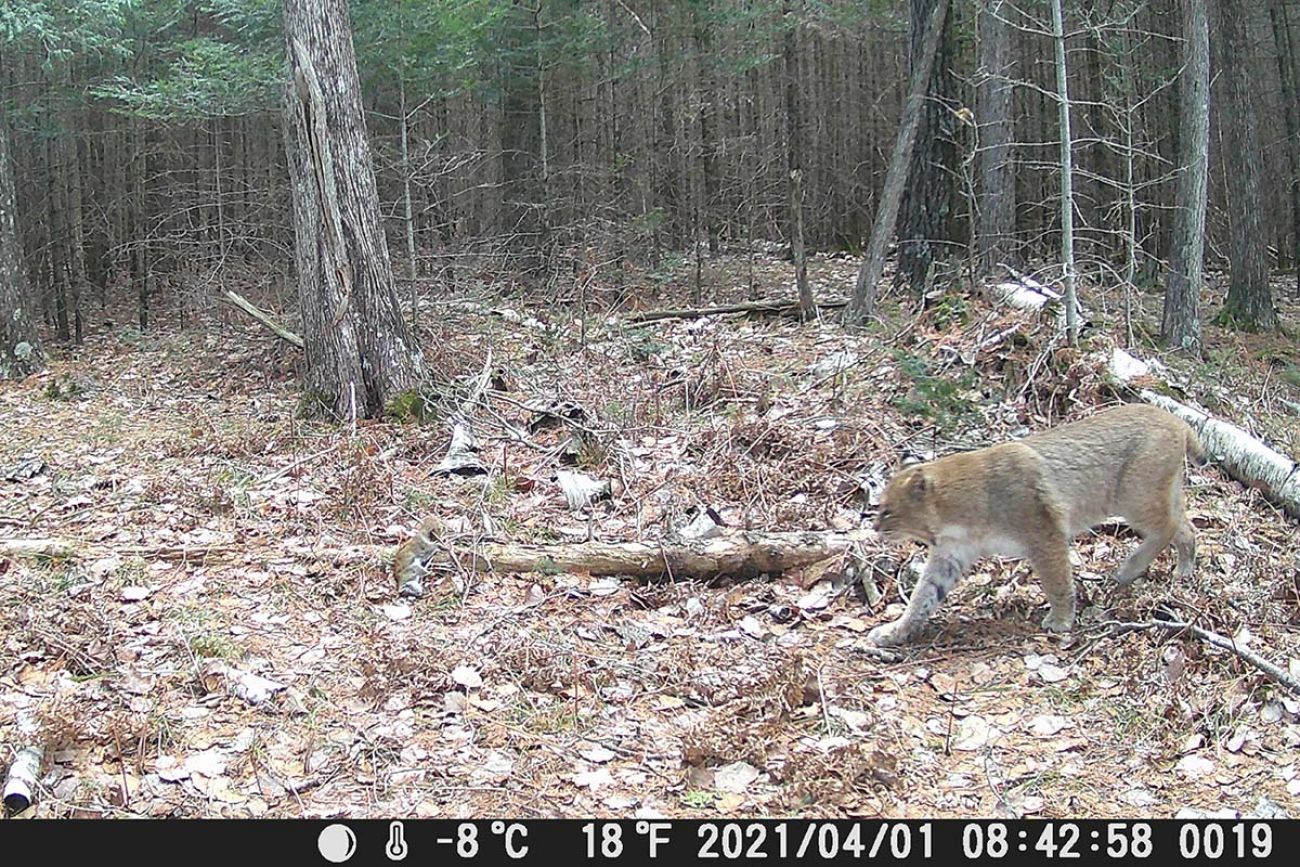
<point x="1243" y="457"/>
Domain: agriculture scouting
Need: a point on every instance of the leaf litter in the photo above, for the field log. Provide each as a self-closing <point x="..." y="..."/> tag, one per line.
<point x="237" y="648"/>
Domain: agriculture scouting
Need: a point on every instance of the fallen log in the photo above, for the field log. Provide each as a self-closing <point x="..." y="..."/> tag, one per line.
<point x="774" y="307"/>
<point x="238" y="301"/>
<point x="737" y="554"/>
<point x="1243" y="457"/>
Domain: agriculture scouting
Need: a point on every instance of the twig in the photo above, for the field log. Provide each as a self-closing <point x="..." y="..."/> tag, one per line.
<point x="1120" y="627"/>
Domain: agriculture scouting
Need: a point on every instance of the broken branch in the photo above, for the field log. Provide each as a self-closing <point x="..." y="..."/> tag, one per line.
<point x="238" y="301"/>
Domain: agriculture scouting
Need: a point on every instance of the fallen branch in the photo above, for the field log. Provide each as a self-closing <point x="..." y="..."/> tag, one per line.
<point x="71" y="549"/>
<point x="1279" y="674"/>
<point x="1245" y="458"/>
<point x="781" y="307"/>
<point x="737" y="554"/>
<point x="238" y="301"/>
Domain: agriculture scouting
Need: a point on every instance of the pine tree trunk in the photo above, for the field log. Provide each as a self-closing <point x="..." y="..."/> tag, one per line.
<point x="359" y="351"/>
<point x="77" y="274"/>
<point x="1250" y="301"/>
<point x="997" y="172"/>
<point x="1181" y="324"/>
<point x="520" y="139"/>
<point x="794" y="162"/>
<point x="863" y="303"/>
<point x="924" y="220"/>
<point x="20" y="348"/>
<point x="55" y="214"/>
<point x="1285" y="53"/>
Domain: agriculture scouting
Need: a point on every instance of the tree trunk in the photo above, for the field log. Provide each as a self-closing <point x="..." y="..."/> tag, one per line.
<point x="794" y="161"/>
<point x="1181" y="324"/>
<point x="520" y="139"/>
<point x="923" y="224"/>
<point x="20" y="348"/>
<point x="1250" y="301"/>
<point x="997" y="173"/>
<point x="359" y="349"/>
<point x="1284" y="52"/>
<point x="77" y="275"/>
<point x="1067" y="174"/>
<point x="863" y="303"/>
<point x="55" y="217"/>
<point x="136" y="225"/>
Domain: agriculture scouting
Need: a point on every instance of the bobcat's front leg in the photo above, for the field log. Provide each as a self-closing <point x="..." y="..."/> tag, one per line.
<point x="941" y="574"/>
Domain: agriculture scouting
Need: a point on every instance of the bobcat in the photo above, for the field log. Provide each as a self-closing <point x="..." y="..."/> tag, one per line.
<point x="1031" y="497"/>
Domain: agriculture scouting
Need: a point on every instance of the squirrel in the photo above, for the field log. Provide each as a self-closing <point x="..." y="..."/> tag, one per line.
<point x="411" y="560"/>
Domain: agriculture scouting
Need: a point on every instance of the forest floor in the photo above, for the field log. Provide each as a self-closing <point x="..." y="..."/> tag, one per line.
<point x="218" y="525"/>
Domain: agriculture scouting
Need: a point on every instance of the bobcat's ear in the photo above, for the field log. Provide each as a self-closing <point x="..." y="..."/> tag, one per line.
<point x="919" y="484"/>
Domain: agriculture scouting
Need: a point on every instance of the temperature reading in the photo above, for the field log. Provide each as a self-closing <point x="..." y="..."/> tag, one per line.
<point x="611" y="839"/>
<point x="607" y="838"/>
<point x="511" y="834"/>
<point x="466" y="840"/>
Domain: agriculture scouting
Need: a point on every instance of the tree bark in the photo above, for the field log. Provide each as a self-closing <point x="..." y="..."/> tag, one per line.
<point x="1283" y="50"/>
<point x="521" y="137"/>
<point x="1250" y="301"/>
<point x="863" y="303"/>
<point x="77" y="273"/>
<point x="1067" y="174"/>
<point x="794" y="160"/>
<point x="359" y="350"/>
<point x="1181" y="323"/>
<point x="20" y="348"/>
<point x="925" y="216"/>
<point x="997" y="177"/>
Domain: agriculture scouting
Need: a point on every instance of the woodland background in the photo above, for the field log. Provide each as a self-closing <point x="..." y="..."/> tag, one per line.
<point x="563" y="139"/>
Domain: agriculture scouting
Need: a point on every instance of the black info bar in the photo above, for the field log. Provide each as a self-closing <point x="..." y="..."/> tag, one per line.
<point x="649" y="841"/>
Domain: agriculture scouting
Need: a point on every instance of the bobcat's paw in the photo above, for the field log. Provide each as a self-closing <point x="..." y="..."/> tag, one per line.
<point x="1058" y="622"/>
<point x="887" y="635"/>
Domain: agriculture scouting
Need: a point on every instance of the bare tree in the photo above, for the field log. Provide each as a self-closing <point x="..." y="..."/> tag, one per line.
<point x="1067" y="173"/>
<point x="359" y="350"/>
<point x="1285" y="53"/>
<point x="1181" y="324"/>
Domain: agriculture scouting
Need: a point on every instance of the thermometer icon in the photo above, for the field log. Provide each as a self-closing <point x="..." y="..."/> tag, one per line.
<point x="396" y="848"/>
